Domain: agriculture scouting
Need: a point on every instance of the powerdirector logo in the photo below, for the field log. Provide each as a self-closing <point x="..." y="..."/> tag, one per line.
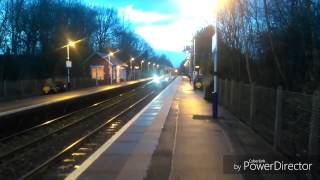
<point x="268" y="165"/>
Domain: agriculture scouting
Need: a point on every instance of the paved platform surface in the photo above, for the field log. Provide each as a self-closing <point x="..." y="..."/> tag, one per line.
<point x="175" y="138"/>
<point x="29" y="103"/>
<point x="128" y="153"/>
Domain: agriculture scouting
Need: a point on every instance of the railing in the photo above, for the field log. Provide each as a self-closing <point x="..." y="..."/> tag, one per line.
<point x="290" y="121"/>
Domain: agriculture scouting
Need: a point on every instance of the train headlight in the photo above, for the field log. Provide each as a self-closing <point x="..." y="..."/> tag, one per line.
<point x="156" y="79"/>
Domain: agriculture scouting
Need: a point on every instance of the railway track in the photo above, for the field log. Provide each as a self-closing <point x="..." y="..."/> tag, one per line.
<point x="31" y="151"/>
<point x="18" y="141"/>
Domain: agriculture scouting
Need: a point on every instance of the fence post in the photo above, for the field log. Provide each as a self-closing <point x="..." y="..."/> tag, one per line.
<point x="231" y="96"/>
<point x="314" y="125"/>
<point x="226" y="93"/>
<point x="278" y="120"/>
<point x="36" y="89"/>
<point x="5" y="93"/>
<point x="22" y="93"/>
<point x="252" y="104"/>
<point x="219" y="91"/>
<point x="1" y="91"/>
<point x="239" y="98"/>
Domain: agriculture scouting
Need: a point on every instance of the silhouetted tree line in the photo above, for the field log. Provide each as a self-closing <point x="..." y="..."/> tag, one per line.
<point x="202" y="49"/>
<point x="32" y="33"/>
<point x="271" y="43"/>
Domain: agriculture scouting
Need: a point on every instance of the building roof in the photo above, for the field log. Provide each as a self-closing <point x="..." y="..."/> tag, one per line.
<point x="113" y="60"/>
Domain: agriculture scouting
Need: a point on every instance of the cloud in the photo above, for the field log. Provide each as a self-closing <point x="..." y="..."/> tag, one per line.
<point x="142" y="17"/>
<point x="171" y="37"/>
<point x="171" y="32"/>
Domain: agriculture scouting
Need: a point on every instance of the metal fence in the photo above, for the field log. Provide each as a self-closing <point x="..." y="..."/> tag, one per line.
<point x="290" y="121"/>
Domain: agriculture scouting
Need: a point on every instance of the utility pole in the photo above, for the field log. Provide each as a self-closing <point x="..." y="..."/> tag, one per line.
<point x="215" y="71"/>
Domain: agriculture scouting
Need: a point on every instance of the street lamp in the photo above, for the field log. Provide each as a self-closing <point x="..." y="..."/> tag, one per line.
<point x="141" y="68"/>
<point x="68" y="62"/>
<point x="158" y="68"/>
<point x="223" y="4"/>
<point x="131" y="60"/>
<point x="141" y="64"/>
<point x="111" y="54"/>
<point x="154" y="64"/>
<point x="148" y="65"/>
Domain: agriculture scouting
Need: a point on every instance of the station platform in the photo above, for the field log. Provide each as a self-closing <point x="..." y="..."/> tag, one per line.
<point x="11" y="107"/>
<point x="174" y="137"/>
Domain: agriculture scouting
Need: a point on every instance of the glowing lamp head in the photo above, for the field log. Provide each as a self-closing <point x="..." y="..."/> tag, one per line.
<point x="72" y="44"/>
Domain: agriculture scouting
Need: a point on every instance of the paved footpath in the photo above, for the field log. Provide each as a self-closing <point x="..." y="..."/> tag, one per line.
<point x="192" y="145"/>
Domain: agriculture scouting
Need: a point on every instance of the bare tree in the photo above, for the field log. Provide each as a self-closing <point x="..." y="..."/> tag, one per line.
<point x="107" y="23"/>
<point x="3" y="24"/>
<point x="271" y="41"/>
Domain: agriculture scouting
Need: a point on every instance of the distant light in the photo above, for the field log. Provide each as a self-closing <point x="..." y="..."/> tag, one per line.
<point x="166" y="78"/>
<point x="156" y="78"/>
<point x="176" y="71"/>
<point x="132" y="59"/>
<point x="186" y="63"/>
<point x="136" y="67"/>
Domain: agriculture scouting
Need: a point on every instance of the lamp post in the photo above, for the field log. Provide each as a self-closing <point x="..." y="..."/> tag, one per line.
<point x="97" y="82"/>
<point x="215" y="43"/>
<point x="148" y="66"/>
<point x="141" y="67"/>
<point x="134" y="71"/>
<point x="154" y="64"/>
<point x="111" y="65"/>
<point x="194" y="58"/>
<point x="68" y="62"/>
<point x="131" y="60"/>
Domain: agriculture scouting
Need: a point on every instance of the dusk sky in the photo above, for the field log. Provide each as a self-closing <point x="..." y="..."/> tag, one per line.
<point x="167" y="25"/>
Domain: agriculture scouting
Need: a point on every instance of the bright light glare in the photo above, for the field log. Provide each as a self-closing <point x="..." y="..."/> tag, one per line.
<point x="72" y="43"/>
<point x="113" y="53"/>
<point x="156" y="79"/>
<point x="199" y="11"/>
